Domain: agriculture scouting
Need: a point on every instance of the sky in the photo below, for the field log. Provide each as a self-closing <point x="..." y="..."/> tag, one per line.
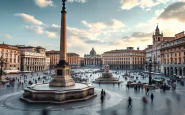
<point x="100" y="24"/>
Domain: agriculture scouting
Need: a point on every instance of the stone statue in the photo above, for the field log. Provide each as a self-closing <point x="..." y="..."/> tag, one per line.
<point x="63" y="3"/>
<point x="106" y="68"/>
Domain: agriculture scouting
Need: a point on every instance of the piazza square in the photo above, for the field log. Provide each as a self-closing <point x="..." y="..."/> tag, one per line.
<point x="73" y="57"/>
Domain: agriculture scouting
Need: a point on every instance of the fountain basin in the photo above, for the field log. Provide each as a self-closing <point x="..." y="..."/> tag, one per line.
<point x="43" y="93"/>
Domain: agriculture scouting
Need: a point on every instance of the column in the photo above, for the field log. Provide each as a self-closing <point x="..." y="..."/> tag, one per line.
<point x="182" y="71"/>
<point x="174" y="71"/>
<point x="178" y="71"/>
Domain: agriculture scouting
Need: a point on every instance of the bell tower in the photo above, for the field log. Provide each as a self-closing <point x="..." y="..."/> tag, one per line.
<point x="157" y="36"/>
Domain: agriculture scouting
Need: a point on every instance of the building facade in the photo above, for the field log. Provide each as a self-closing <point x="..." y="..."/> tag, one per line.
<point x="92" y="59"/>
<point x="158" y="40"/>
<point x="73" y="59"/>
<point x="48" y="63"/>
<point x="32" y="58"/>
<point x="81" y="61"/>
<point x="12" y="56"/>
<point x="148" y="52"/>
<point x="54" y="57"/>
<point x="124" y="59"/>
<point x="173" y="56"/>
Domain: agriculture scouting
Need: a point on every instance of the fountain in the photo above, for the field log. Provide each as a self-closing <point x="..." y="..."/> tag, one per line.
<point x="61" y="88"/>
<point x="106" y="77"/>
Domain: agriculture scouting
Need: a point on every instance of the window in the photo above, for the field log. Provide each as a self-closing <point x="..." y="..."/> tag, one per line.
<point x="158" y="38"/>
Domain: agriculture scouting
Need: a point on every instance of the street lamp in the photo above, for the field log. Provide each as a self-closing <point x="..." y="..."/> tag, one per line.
<point x="2" y="62"/>
<point x="150" y="66"/>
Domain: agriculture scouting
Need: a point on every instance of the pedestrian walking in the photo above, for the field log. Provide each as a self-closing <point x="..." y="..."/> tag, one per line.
<point x="102" y="98"/>
<point x="129" y="102"/>
<point x="147" y="91"/>
<point x="45" y="112"/>
<point x="102" y="92"/>
<point x="152" y="97"/>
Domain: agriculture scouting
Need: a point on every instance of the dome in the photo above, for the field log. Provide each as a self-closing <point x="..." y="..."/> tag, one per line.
<point x="92" y="52"/>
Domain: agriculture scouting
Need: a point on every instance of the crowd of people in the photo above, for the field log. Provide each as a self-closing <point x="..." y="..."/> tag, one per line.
<point x="26" y="79"/>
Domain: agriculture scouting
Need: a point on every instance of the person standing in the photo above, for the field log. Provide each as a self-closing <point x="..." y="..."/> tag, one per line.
<point x="129" y="102"/>
<point x="104" y="93"/>
<point x="152" y="97"/>
<point x="147" y="91"/>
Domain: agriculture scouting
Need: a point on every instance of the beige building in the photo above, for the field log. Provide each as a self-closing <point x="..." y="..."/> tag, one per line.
<point x="81" y="61"/>
<point x="92" y="59"/>
<point x="154" y="51"/>
<point x="12" y="55"/>
<point x="54" y="57"/>
<point x="32" y="58"/>
<point x="48" y="63"/>
<point x="124" y="58"/>
<point x="173" y="56"/>
<point x="73" y="59"/>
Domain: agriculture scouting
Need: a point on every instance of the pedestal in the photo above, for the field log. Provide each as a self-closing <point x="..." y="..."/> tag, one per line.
<point x="63" y="77"/>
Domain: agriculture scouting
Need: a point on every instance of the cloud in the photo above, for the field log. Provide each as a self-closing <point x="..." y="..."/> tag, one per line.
<point x="158" y="12"/>
<point x="144" y="4"/>
<point x="6" y="36"/>
<point x="98" y="25"/>
<point x="165" y="26"/>
<point x="40" y="31"/>
<point x="51" y="34"/>
<point x="44" y="3"/>
<point x="174" y="11"/>
<point x="114" y="24"/>
<point x="82" y="1"/>
<point x="141" y="34"/>
<point x="95" y="42"/>
<point x="53" y="28"/>
<point x="35" y="29"/>
<point x="28" y="18"/>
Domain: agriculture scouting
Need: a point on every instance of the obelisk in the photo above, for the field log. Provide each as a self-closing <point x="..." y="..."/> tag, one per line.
<point x="62" y="70"/>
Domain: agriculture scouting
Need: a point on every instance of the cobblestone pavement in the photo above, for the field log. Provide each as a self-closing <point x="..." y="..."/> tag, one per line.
<point x="165" y="103"/>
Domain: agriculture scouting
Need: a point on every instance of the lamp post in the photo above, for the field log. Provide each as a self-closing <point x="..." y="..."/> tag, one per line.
<point x="150" y="66"/>
<point x="2" y="62"/>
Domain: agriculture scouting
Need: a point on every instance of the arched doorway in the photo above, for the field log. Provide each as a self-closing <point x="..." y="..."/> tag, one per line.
<point x="168" y="71"/>
<point x="184" y="71"/>
<point x="171" y="70"/>
<point x="180" y="71"/>
<point x="165" y="70"/>
<point x="175" y="70"/>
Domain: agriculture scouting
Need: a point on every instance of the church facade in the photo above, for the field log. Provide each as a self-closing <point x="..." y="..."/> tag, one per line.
<point x="92" y="59"/>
